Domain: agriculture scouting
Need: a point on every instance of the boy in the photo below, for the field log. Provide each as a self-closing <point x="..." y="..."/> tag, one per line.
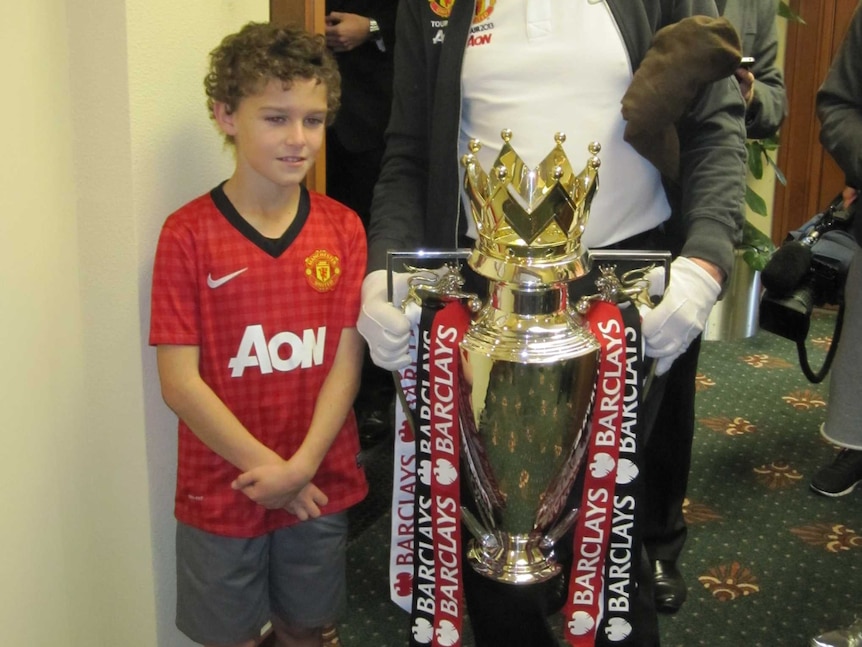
<point x="256" y="292"/>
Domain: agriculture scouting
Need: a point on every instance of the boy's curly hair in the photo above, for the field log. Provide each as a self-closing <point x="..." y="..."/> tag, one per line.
<point x="246" y="61"/>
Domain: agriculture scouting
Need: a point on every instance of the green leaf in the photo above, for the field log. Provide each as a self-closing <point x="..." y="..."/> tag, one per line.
<point x="778" y="173"/>
<point x="755" y="161"/>
<point x="769" y="144"/>
<point x="758" y="150"/>
<point x="754" y="260"/>
<point x="756" y="239"/>
<point x="785" y="11"/>
<point x="758" y="246"/>
<point x="755" y="202"/>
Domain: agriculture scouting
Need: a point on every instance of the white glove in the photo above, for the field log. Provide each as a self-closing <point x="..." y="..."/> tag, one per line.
<point x="385" y="327"/>
<point x="673" y="324"/>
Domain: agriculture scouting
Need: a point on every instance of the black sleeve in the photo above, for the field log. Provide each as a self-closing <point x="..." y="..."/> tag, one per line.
<point x="839" y="105"/>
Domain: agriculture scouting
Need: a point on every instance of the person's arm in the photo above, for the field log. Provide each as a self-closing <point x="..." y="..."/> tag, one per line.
<point x="839" y="105"/>
<point x="196" y="404"/>
<point x="767" y="98"/>
<point x="398" y="207"/>
<point x="707" y="220"/>
<point x="347" y="31"/>
<point x="289" y="483"/>
<point x="684" y="85"/>
<point x="712" y="175"/>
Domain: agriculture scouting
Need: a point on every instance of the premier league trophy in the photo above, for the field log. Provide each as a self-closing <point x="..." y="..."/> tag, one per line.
<point x="527" y="374"/>
<point x="528" y="361"/>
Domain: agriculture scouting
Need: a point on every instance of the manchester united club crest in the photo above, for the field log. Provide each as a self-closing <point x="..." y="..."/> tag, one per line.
<point x="484" y="9"/>
<point x="322" y="270"/>
<point x="441" y="7"/>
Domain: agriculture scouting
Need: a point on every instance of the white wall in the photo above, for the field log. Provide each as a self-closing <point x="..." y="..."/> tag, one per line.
<point x="105" y="133"/>
<point x="40" y="321"/>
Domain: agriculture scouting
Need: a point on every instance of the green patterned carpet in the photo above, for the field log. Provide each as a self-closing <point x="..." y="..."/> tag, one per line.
<point x="768" y="563"/>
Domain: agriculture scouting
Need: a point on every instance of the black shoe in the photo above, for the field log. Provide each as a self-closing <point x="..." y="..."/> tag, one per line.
<point x="841" y="476"/>
<point x="668" y="586"/>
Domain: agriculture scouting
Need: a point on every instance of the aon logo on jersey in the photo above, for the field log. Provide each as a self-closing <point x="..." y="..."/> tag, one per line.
<point x="284" y="352"/>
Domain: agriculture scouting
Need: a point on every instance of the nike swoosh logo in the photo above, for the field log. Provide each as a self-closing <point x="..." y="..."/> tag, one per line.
<point x="215" y="283"/>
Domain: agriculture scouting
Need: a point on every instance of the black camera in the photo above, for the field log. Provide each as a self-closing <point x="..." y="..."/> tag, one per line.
<point x="808" y="270"/>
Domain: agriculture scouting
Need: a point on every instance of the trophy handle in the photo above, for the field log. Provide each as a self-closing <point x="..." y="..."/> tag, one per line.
<point x="622" y="277"/>
<point x="419" y="262"/>
<point x="423" y="283"/>
<point x="561" y="528"/>
<point x="485" y="537"/>
<point x="629" y="259"/>
<point x="628" y="284"/>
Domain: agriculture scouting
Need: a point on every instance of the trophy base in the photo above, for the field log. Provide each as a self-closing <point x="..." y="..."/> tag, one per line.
<point x="522" y="561"/>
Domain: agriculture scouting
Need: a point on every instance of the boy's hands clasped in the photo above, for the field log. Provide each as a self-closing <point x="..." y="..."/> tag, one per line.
<point x="285" y="485"/>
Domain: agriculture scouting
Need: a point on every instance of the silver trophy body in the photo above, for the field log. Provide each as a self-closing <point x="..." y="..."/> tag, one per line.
<point x="530" y="370"/>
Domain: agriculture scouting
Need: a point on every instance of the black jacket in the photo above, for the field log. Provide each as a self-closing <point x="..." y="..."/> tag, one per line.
<point x="366" y="78"/>
<point x="839" y="105"/>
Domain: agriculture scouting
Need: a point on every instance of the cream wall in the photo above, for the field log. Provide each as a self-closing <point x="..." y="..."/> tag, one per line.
<point x="42" y="330"/>
<point x="105" y="134"/>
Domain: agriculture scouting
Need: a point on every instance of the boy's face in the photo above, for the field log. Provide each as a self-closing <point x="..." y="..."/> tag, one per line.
<point x="277" y="132"/>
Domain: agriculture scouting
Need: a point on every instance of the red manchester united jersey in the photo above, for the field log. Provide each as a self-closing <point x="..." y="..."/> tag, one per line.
<point x="267" y="316"/>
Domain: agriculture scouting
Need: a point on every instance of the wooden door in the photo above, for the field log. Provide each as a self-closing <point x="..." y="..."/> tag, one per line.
<point x="813" y="178"/>
<point x="310" y="15"/>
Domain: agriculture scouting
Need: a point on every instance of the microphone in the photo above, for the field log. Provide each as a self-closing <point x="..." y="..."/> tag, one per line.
<point x="787" y="267"/>
<point x="792" y="261"/>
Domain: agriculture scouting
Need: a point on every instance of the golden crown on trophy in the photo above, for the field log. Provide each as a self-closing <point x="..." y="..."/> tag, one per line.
<point x="530" y="217"/>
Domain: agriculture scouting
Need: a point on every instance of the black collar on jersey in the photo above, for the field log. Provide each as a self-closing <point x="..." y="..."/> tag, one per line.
<point x="272" y="246"/>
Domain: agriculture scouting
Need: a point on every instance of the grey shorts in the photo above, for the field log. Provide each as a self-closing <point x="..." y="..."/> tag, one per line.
<point x="228" y="588"/>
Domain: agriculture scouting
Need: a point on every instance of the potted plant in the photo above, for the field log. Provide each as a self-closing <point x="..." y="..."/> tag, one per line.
<point x="757" y="247"/>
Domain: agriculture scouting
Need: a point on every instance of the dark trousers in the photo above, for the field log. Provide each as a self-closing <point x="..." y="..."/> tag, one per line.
<point x="510" y="615"/>
<point x="668" y="460"/>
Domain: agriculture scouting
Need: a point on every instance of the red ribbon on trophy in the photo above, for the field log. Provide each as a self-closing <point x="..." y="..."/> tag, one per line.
<point x="425" y="557"/>
<point x="448" y="329"/>
<point x="583" y="607"/>
<point x="600" y="608"/>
